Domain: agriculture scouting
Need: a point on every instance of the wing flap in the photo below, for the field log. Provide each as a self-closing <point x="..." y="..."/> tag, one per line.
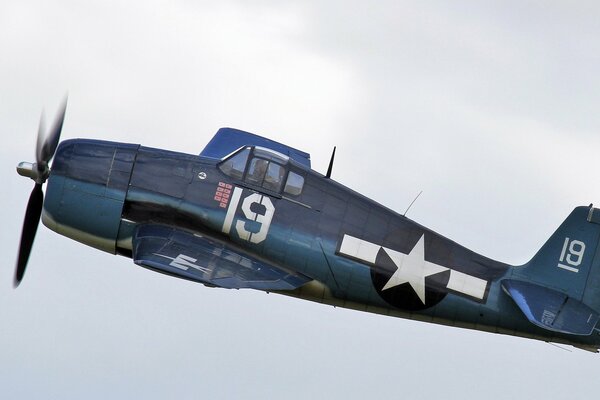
<point x="550" y="309"/>
<point x="201" y="259"/>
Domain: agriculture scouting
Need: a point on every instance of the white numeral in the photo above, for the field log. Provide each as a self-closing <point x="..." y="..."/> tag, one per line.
<point x="263" y="219"/>
<point x="572" y="254"/>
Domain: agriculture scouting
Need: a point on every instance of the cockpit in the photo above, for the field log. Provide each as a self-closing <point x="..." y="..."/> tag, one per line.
<point x="263" y="168"/>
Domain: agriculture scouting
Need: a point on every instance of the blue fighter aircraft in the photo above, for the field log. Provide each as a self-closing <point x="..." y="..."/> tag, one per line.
<point x="249" y="212"/>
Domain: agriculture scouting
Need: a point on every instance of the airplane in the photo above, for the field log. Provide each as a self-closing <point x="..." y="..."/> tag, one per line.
<point x="249" y="212"/>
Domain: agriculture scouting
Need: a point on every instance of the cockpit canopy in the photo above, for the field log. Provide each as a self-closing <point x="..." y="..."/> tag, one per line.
<point x="228" y="140"/>
<point x="263" y="168"/>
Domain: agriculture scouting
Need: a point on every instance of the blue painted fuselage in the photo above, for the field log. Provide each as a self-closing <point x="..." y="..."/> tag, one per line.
<point x="357" y="253"/>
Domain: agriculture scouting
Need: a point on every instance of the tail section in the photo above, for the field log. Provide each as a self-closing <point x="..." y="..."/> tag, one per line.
<point x="568" y="259"/>
<point x="559" y="289"/>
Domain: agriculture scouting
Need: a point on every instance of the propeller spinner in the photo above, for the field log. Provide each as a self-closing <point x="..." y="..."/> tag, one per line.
<point x="38" y="172"/>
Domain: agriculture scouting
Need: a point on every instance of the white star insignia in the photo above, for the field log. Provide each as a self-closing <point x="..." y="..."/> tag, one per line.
<point x="412" y="269"/>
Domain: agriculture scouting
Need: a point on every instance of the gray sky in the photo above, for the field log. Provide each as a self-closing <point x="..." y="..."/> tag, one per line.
<point x="490" y="108"/>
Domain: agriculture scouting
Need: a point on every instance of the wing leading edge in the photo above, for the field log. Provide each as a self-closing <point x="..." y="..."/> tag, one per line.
<point x="201" y="259"/>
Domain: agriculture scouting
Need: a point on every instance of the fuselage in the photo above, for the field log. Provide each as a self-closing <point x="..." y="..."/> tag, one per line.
<point x="358" y="253"/>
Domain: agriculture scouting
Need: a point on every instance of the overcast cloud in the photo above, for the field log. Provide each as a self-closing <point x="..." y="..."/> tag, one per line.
<point x="490" y="108"/>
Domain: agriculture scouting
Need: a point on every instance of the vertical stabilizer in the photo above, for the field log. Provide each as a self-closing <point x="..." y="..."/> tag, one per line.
<point x="567" y="261"/>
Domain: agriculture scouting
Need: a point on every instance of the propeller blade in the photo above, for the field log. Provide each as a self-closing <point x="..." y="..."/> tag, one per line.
<point x="40" y="138"/>
<point x="30" y="225"/>
<point x="46" y="148"/>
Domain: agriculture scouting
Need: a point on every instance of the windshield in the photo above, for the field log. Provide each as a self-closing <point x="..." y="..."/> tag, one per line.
<point x="235" y="165"/>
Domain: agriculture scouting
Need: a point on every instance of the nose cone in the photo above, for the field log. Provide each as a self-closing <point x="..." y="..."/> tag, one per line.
<point x="86" y="190"/>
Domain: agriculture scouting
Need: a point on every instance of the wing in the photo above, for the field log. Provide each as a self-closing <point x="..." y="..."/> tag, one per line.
<point x="198" y="258"/>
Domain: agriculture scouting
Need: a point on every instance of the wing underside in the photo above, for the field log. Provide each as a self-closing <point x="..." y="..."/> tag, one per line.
<point x="198" y="258"/>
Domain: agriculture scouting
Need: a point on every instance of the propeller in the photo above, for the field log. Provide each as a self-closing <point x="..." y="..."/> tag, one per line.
<point x="38" y="172"/>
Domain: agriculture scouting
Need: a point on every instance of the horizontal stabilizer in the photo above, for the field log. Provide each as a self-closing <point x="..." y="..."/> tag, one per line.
<point x="227" y="140"/>
<point x="201" y="259"/>
<point x="550" y="309"/>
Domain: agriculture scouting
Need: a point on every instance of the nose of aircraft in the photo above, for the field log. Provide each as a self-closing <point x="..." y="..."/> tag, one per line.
<point x="86" y="190"/>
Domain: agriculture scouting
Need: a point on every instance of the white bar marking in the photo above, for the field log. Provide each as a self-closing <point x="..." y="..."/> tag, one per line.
<point x="467" y="284"/>
<point x="360" y="249"/>
<point x="563" y="266"/>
